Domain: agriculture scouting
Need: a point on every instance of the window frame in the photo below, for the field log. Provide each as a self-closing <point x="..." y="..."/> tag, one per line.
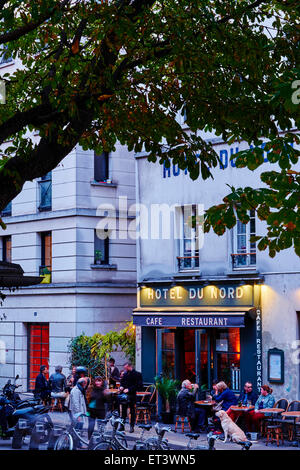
<point x="249" y="250"/>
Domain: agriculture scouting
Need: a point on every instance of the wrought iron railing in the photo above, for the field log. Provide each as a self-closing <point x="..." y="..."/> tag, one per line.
<point x="243" y="260"/>
<point x="187" y="262"/>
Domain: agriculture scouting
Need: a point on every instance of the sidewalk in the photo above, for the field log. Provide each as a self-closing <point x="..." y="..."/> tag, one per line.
<point x="178" y="440"/>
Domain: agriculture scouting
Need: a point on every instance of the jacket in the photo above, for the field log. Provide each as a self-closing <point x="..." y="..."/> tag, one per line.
<point x="41" y="389"/>
<point x="97" y="399"/>
<point x="185" y="403"/>
<point x="133" y="381"/>
<point x="245" y="397"/>
<point x="57" y="382"/>
<point x="264" y="402"/>
<point x="77" y="402"/>
<point x="114" y="375"/>
<point x="228" y="397"/>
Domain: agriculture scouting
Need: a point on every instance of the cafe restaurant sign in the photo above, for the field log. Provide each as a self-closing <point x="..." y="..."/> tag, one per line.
<point x="221" y="295"/>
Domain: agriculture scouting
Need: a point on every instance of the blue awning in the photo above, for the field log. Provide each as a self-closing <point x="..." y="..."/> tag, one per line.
<point x="190" y="320"/>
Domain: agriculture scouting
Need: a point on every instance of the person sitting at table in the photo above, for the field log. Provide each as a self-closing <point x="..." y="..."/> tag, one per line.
<point x="224" y="396"/>
<point x="265" y="400"/>
<point x="247" y="396"/>
<point x="185" y="405"/>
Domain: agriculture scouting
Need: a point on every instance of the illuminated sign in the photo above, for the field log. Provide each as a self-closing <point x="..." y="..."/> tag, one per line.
<point x="195" y="296"/>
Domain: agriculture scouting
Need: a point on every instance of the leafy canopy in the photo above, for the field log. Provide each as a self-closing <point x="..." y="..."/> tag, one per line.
<point x="96" y="72"/>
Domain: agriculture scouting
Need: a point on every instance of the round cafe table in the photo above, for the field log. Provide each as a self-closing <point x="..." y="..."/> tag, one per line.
<point x="294" y="415"/>
<point x="272" y="411"/>
<point x="242" y="408"/>
<point x="205" y="403"/>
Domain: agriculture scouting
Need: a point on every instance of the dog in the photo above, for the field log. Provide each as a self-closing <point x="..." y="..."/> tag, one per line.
<point x="231" y="429"/>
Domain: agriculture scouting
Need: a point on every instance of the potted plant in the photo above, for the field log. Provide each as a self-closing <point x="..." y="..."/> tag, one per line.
<point x="98" y="256"/>
<point x="167" y="389"/>
<point x="46" y="274"/>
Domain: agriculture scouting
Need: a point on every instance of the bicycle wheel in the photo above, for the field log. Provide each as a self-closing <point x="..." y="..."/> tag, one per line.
<point x="104" y="446"/>
<point x="64" y="442"/>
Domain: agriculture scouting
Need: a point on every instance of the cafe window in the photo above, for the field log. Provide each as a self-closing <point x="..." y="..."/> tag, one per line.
<point x="38" y="350"/>
<point x="168" y="353"/>
<point x="188" y="246"/>
<point x="244" y="255"/>
<point x="228" y="355"/>
<point x="101" y="168"/>
<point x="6" y="249"/>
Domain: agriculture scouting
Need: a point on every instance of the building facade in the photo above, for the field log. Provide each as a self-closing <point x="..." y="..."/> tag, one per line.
<point x="89" y="282"/>
<point x="212" y="307"/>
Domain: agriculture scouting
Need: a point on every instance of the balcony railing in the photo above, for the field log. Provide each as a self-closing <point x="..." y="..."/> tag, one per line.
<point x="188" y="262"/>
<point x="243" y="260"/>
<point x="45" y="272"/>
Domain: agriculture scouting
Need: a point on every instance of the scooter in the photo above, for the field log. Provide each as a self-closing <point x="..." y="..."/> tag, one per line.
<point x="23" y="416"/>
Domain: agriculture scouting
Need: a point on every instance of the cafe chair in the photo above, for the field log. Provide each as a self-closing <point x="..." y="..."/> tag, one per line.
<point x="289" y="422"/>
<point x="184" y="420"/>
<point x="272" y="428"/>
<point x="146" y="405"/>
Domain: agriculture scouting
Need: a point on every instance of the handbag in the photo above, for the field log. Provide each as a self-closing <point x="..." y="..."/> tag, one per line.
<point x="123" y="398"/>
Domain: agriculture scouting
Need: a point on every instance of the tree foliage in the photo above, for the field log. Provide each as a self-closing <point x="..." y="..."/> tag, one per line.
<point x="98" y="72"/>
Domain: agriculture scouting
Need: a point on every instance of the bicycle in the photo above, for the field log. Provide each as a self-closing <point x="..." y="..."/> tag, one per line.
<point x="153" y="443"/>
<point x="114" y="440"/>
<point x="71" y="437"/>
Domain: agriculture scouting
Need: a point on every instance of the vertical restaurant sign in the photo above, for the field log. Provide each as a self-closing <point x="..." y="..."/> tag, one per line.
<point x="217" y="295"/>
<point x="258" y="349"/>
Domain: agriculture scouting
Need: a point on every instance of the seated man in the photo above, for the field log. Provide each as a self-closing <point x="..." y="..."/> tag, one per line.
<point x="247" y="396"/>
<point x="186" y="405"/>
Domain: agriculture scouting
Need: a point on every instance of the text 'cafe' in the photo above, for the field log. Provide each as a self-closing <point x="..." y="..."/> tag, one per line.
<point x="200" y="332"/>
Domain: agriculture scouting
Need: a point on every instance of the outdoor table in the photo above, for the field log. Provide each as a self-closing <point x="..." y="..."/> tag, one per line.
<point x="272" y="411"/>
<point x="205" y="403"/>
<point x="294" y="415"/>
<point x="242" y="408"/>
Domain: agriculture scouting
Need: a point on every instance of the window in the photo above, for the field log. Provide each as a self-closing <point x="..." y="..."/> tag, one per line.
<point x="188" y="258"/>
<point x="101" y="249"/>
<point x="5" y="57"/>
<point x="228" y="351"/>
<point x="38" y="350"/>
<point x="6" y="249"/>
<point x="7" y="210"/>
<point x="46" y="256"/>
<point x="244" y="255"/>
<point x="101" y="167"/>
<point x="45" y="192"/>
<point x="168" y="353"/>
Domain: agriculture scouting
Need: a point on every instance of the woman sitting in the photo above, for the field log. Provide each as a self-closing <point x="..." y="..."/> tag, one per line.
<point x="224" y="396"/>
<point x="265" y="400"/>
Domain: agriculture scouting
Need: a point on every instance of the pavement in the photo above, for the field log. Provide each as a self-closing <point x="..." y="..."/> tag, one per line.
<point x="177" y="441"/>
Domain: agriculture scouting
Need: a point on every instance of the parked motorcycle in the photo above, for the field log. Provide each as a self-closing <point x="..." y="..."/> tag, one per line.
<point x="22" y="417"/>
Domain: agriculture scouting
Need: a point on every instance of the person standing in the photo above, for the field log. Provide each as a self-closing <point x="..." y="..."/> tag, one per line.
<point x="113" y="372"/>
<point x="131" y="382"/>
<point x="42" y="389"/>
<point x="77" y="397"/>
<point x="58" y="384"/>
<point x="96" y="396"/>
